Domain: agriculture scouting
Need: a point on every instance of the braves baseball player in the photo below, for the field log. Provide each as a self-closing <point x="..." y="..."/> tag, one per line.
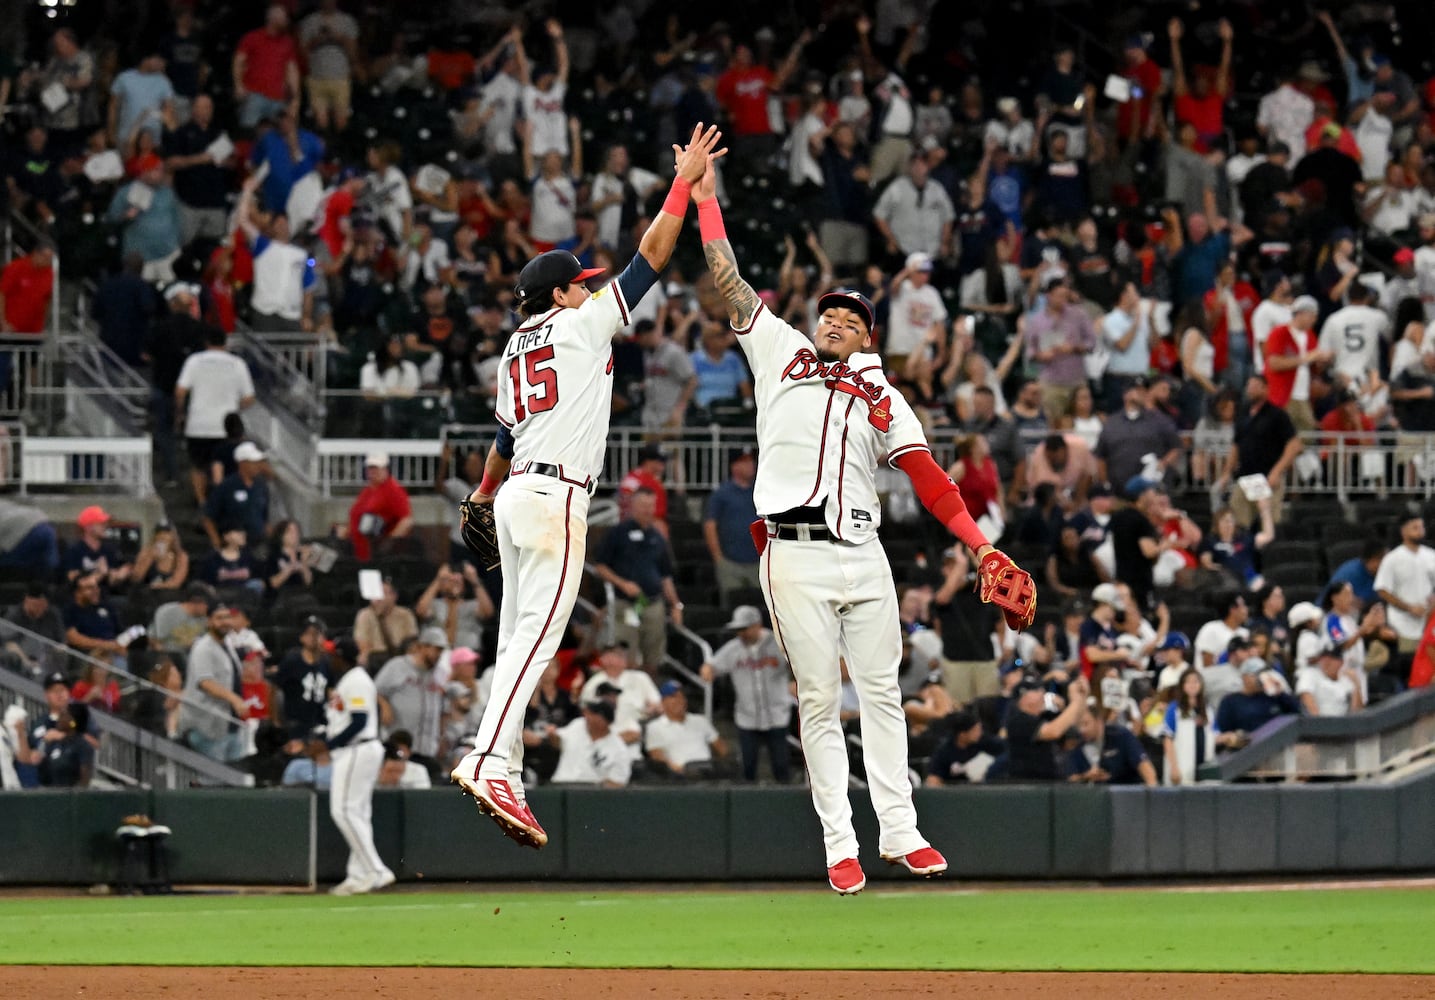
<point x="352" y="734"/>
<point x="826" y="416"/>
<point x="554" y="397"/>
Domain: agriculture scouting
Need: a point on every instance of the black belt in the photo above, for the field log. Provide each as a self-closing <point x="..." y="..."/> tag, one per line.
<point x="556" y="471"/>
<point x="801" y="515"/>
<point x="803" y="532"/>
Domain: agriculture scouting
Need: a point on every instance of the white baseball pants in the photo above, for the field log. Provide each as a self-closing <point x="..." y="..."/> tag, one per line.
<point x="355" y="771"/>
<point x="829" y="600"/>
<point x="542" y="538"/>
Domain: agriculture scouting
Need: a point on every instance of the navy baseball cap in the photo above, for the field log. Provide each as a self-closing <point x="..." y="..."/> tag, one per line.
<point x="547" y="271"/>
<point x="850" y="298"/>
<point x="669" y="688"/>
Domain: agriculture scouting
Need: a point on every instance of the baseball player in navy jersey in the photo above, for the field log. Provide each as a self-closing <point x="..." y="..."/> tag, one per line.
<point x="554" y="397"/>
<point x="826" y="416"/>
<point x="352" y="735"/>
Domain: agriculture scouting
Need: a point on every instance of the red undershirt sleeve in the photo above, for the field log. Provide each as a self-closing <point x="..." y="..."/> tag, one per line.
<point x="940" y="496"/>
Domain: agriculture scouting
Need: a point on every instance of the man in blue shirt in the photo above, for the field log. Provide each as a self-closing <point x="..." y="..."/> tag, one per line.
<point x="730" y="514"/>
<point x="721" y="373"/>
<point x="634" y="557"/>
<point x="1254" y="705"/>
<point x="1110" y="754"/>
<point x="241" y="500"/>
<point x="291" y="152"/>
<point x="1359" y="573"/>
<point x="92" y="553"/>
<point x="1196" y="256"/>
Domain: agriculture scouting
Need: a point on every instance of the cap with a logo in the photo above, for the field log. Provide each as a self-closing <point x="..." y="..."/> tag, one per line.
<point x="313" y="621"/>
<point x="1175" y="640"/>
<point x="1107" y="593"/>
<point x="433" y="636"/>
<point x="849" y="298"/>
<point x="377" y="459"/>
<point x="178" y="288"/>
<point x="91" y="516"/>
<point x="248" y="451"/>
<point x="1029" y="682"/>
<point x="547" y="271"/>
<point x="669" y="688"/>
<point x="56" y="678"/>
<point x="919" y="261"/>
<point x="744" y="616"/>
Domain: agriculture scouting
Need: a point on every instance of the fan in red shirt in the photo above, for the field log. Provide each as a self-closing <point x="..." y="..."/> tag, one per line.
<point x="1203" y="103"/>
<point x="1230" y="294"/>
<point x="1345" y="422"/>
<point x="266" y="69"/>
<point x="742" y="91"/>
<point x="1134" y="119"/>
<point x="976" y="476"/>
<point x="25" y="288"/>
<point x="382" y="510"/>
<point x="646" y="475"/>
<point x="334" y="228"/>
<point x="97" y="687"/>
<point x="1290" y="350"/>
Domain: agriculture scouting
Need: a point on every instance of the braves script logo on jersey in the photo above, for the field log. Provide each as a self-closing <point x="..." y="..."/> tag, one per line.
<point x="805" y="364"/>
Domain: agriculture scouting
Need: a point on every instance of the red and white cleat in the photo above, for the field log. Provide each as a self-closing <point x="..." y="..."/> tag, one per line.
<point x="925" y="861"/>
<point x="496" y="800"/>
<point x="846" y="877"/>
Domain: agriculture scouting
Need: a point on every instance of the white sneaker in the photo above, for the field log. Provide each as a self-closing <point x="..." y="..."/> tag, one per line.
<point x="382" y="881"/>
<point x="350" y="887"/>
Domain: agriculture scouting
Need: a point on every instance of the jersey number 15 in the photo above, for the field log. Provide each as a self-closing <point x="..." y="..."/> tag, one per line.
<point x="542" y="383"/>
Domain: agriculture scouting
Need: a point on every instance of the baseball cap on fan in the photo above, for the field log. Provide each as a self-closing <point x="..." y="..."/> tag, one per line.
<point x="547" y="271"/>
<point x="850" y="298"/>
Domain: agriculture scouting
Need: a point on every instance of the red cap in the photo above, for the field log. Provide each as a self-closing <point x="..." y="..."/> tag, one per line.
<point x="92" y="515"/>
<point x="1404" y="256"/>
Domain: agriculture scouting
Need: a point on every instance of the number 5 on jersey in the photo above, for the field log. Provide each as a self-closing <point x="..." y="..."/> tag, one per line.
<point x="535" y="386"/>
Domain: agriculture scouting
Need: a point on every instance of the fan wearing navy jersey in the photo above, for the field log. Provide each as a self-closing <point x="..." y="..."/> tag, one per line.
<point x="555" y="393"/>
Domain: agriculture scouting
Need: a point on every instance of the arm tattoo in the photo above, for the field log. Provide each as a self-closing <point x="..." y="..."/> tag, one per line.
<point x="742" y="301"/>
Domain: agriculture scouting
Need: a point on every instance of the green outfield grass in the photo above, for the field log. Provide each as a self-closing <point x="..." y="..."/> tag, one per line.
<point x="889" y="927"/>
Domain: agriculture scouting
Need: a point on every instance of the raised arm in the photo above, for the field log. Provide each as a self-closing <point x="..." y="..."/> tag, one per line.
<point x="742" y="302"/>
<point x="1223" y="72"/>
<point x="1175" y="29"/>
<point x="656" y="246"/>
<point x="560" y="49"/>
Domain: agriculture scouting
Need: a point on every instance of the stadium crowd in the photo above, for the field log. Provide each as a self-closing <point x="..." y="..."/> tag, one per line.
<point x="1122" y="275"/>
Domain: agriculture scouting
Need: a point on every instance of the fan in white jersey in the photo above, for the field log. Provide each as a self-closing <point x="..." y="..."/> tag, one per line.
<point x="352" y="735"/>
<point x="1355" y="334"/>
<point x="826" y="418"/>
<point x="555" y="393"/>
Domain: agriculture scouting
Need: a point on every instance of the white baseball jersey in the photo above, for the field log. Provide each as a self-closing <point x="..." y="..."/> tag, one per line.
<point x="1354" y="334"/>
<point x="822" y="428"/>
<point x="555" y="387"/>
<point x="355" y="692"/>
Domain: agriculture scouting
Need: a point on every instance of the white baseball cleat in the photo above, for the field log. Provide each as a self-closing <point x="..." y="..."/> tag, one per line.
<point x="382" y="881"/>
<point x="350" y="887"/>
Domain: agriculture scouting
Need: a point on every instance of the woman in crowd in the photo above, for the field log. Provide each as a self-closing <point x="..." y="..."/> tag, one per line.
<point x="1081" y="417"/>
<point x="1236" y="550"/>
<point x="1071" y="570"/>
<point x="162" y="565"/>
<point x="288" y="572"/>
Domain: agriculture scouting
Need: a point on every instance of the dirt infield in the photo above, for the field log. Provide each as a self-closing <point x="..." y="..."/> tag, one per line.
<point x="141" y="983"/>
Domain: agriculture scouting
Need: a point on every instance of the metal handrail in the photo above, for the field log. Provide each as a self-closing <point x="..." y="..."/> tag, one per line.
<point x="280" y="381"/>
<point x="156" y="760"/>
<point x="9" y="628"/>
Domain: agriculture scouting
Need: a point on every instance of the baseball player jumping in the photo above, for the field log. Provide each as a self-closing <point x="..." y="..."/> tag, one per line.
<point x="554" y="397"/>
<point x="826" y="416"/>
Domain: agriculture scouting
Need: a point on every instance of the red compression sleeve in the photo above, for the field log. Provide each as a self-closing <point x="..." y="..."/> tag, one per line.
<point x="490" y="485"/>
<point x="710" y="221"/>
<point x="940" y="496"/>
<point x="676" y="203"/>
